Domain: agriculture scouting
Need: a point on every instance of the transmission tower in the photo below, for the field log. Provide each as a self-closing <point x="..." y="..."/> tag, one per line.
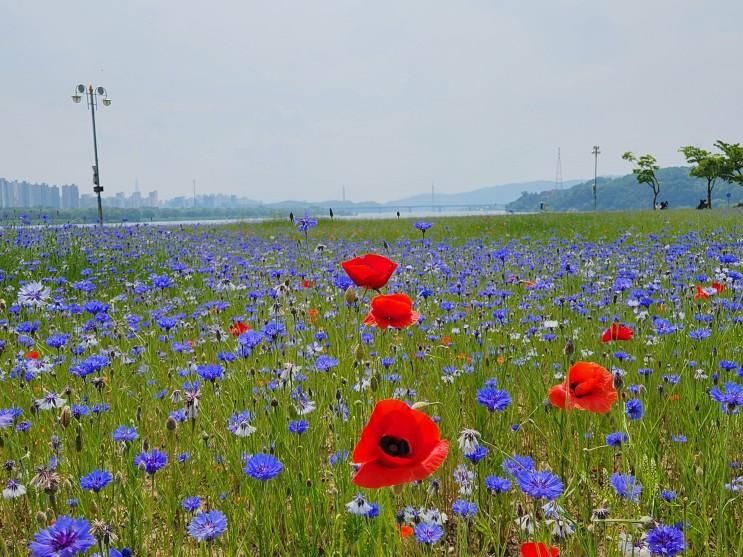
<point x="596" y="152"/>
<point x="558" y="172"/>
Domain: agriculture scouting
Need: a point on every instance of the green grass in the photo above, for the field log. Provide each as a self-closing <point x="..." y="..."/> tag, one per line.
<point x="302" y="512"/>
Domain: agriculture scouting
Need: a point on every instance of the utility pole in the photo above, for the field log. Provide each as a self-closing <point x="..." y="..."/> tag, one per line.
<point x="596" y="154"/>
<point x="91" y="95"/>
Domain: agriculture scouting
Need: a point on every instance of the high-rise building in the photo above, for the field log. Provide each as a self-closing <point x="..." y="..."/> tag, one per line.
<point x="70" y="197"/>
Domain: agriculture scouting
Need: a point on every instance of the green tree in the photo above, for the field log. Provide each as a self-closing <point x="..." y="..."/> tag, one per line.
<point x="709" y="166"/>
<point x="733" y="165"/>
<point x="645" y="171"/>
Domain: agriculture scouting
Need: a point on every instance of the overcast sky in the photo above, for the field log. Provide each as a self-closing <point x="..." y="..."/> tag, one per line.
<point x="275" y="100"/>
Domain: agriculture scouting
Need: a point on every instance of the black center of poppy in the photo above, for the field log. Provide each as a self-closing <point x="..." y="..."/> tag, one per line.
<point x="394" y="446"/>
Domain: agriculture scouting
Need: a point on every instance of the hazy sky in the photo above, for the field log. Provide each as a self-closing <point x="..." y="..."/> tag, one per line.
<point x="275" y="100"/>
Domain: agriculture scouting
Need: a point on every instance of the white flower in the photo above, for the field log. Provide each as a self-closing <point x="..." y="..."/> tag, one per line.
<point x="33" y="294"/>
<point x="469" y="441"/>
<point x="432" y="516"/>
<point x="13" y="490"/>
<point x="358" y="506"/>
<point x="50" y="400"/>
<point x="632" y="548"/>
<point x="551" y="324"/>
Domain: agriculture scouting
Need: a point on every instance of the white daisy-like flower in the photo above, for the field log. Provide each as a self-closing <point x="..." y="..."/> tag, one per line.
<point x="469" y="441"/>
<point x="359" y="505"/>
<point x="50" y="401"/>
<point x="33" y="294"/>
<point x="13" y="490"/>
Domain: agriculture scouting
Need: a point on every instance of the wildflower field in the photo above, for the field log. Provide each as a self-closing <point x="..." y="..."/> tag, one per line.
<point x="500" y="386"/>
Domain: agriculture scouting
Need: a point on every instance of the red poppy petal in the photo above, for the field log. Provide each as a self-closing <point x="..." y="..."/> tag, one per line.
<point x="557" y="395"/>
<point x="538" y="549"/>
<point x="385" y="413"/>
<point x="374" y="474"/>
<point x="600" y="403"/>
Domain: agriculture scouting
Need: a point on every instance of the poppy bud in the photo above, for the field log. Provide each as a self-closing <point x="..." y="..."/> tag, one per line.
<point x="171" y="424"/>
<point x="350" y="295"/>
<point x="41" y="517"/>
<point x="2" y="304"/>
<point x="65" y="416"/>
<point x="359" y="352"/>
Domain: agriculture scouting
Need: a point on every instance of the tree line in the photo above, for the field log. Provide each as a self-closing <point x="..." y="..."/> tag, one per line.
<point x="725" y="164"/>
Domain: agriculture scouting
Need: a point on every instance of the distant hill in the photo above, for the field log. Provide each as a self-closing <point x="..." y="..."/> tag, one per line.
<point x="492" y="195"/>
<point x="613" y="194"/>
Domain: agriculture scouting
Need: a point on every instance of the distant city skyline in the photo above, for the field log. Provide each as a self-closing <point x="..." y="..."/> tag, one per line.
<point x="280" y="100"/>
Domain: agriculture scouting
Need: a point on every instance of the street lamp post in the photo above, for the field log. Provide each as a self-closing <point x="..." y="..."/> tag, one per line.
<point x="92" y="98"/>
<point x="596" y="154"/>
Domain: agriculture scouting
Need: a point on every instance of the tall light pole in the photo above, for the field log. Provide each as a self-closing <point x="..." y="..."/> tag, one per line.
<point x="92" y="98"/>
<point x="596" y="154"/>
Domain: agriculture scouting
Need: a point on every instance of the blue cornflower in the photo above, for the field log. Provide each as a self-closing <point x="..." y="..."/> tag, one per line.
<point x="125" y="434"/>
<point x="626" y="486"/>
<point x="151" y="462"/>
<point x="665" y="540"/>
<point x="65" y="538"/>
<point x="679" y="438"/>
<point x="517" y="464"/>
<point x="161" y="281"/>
<point x="305" y="223"/>
<point x="7" y="417"/>
<point x="210" y="372"/>
<point x="428" y="533"/>
<point x="616" y="439"/>
<point x="298" y="426"/>
<point x="95" y="307"/>
<point x="731" y="399"/>
<point x="57" y="340"/>
<point x="80" y="411"/>
<point x="464" y="508"/>
<point x="540" y="483"/>
<point x="496" y="484"/>
<point x="207" y="526"/>
<point x="423" y="226"/>
<point x="263" y="467"/>
<point x="700" y="334"/>
<point x="494" y="399"/>
<point x="324" y="363"/>
<point x="634" y="409"/>
<point x="668" y="495"/>
<point x="480" y="452"/>
<point x="96" y="480"/>
<point x="337" y="457"/>
<point x="191" y="504"/>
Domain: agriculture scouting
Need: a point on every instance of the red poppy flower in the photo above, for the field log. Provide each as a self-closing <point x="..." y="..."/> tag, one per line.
<point x="33" y="355"/>
<point x="701" y="294"/>
<point x="238" y="328"/>
<point x="617" y="332"/>
<point x="719" y="287"/>
<point x="588" y="387"/>
<point x="370" y="271"/>
<point x="538" y="549"/>
<point x="397" y="446"/>
<point x="391" y="310"/>
<point x="306" y="283"/>
<point x="405" y="531"/>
